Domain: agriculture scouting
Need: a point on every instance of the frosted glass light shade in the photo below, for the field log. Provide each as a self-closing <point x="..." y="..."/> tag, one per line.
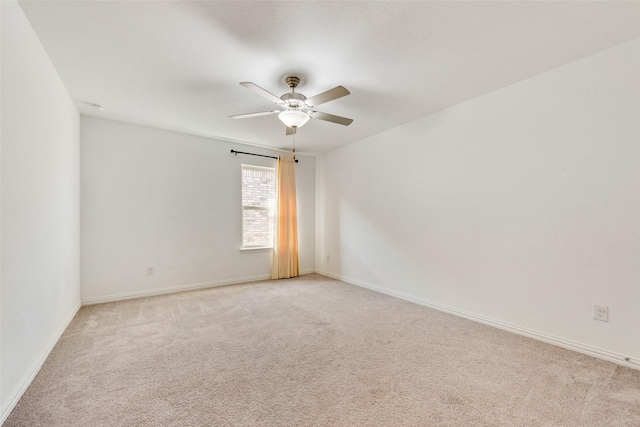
<point x="293" y="118"/>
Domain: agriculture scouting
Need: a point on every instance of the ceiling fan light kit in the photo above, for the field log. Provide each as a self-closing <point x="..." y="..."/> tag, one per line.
<point x="293" y="118"/>
<point x="297" y="107"/>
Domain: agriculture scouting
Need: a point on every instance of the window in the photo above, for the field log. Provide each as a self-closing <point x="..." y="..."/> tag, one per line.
<point x="258" y="206"/>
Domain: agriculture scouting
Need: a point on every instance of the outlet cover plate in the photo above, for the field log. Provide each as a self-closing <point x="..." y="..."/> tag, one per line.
<point x="601" y="312"/>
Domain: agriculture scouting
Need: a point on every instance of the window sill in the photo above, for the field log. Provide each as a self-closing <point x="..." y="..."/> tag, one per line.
<point x="256" y="248"/>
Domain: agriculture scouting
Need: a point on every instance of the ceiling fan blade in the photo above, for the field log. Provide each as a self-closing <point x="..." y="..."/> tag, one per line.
<point x="330" y="95"/>
<point x="262" y="113"/>
<point x="257" y="89"/>
<point x="331" y="118"/>
<point x="290" y="131"/>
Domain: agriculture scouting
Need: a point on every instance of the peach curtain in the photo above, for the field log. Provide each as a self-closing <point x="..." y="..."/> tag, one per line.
<point x="285" y="247"/>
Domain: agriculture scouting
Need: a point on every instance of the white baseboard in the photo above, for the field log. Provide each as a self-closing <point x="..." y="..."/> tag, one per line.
<point x="171" y="290"/>
<point x="31" y="374"/>
<point x="179" y="288"/>
<point x="540" y="336"/>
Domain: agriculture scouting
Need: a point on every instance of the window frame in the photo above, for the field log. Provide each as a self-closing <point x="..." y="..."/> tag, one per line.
<point x="256" y="208"/>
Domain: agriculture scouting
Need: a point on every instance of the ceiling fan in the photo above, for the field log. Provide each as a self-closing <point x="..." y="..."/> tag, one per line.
<point x="298" y="109"/>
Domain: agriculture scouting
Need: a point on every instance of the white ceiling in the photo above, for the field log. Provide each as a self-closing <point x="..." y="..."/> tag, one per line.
<point x="177" y="65"/>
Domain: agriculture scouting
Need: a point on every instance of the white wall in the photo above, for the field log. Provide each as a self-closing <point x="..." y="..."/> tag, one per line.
<point x="40" y="211"/>
<point x="520" y="207"/>
<point x="171" y="201"/>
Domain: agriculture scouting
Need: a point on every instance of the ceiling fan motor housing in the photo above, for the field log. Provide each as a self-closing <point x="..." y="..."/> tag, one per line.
<point x="294" y="100"/>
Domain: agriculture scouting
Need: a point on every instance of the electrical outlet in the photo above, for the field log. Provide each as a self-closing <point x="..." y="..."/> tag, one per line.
<point x="149" y="271"/>
<point x="328" y="258"/>
<point x="601" y="312"/>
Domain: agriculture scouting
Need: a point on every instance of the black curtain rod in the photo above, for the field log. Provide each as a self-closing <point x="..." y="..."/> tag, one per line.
<point x="253" y="154"/>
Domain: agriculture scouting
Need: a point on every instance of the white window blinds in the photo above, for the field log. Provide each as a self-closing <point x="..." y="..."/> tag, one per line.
<point x="258" y="206"/>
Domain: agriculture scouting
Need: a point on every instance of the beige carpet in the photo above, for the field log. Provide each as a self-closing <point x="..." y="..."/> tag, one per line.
<point x="312" y="352"/>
